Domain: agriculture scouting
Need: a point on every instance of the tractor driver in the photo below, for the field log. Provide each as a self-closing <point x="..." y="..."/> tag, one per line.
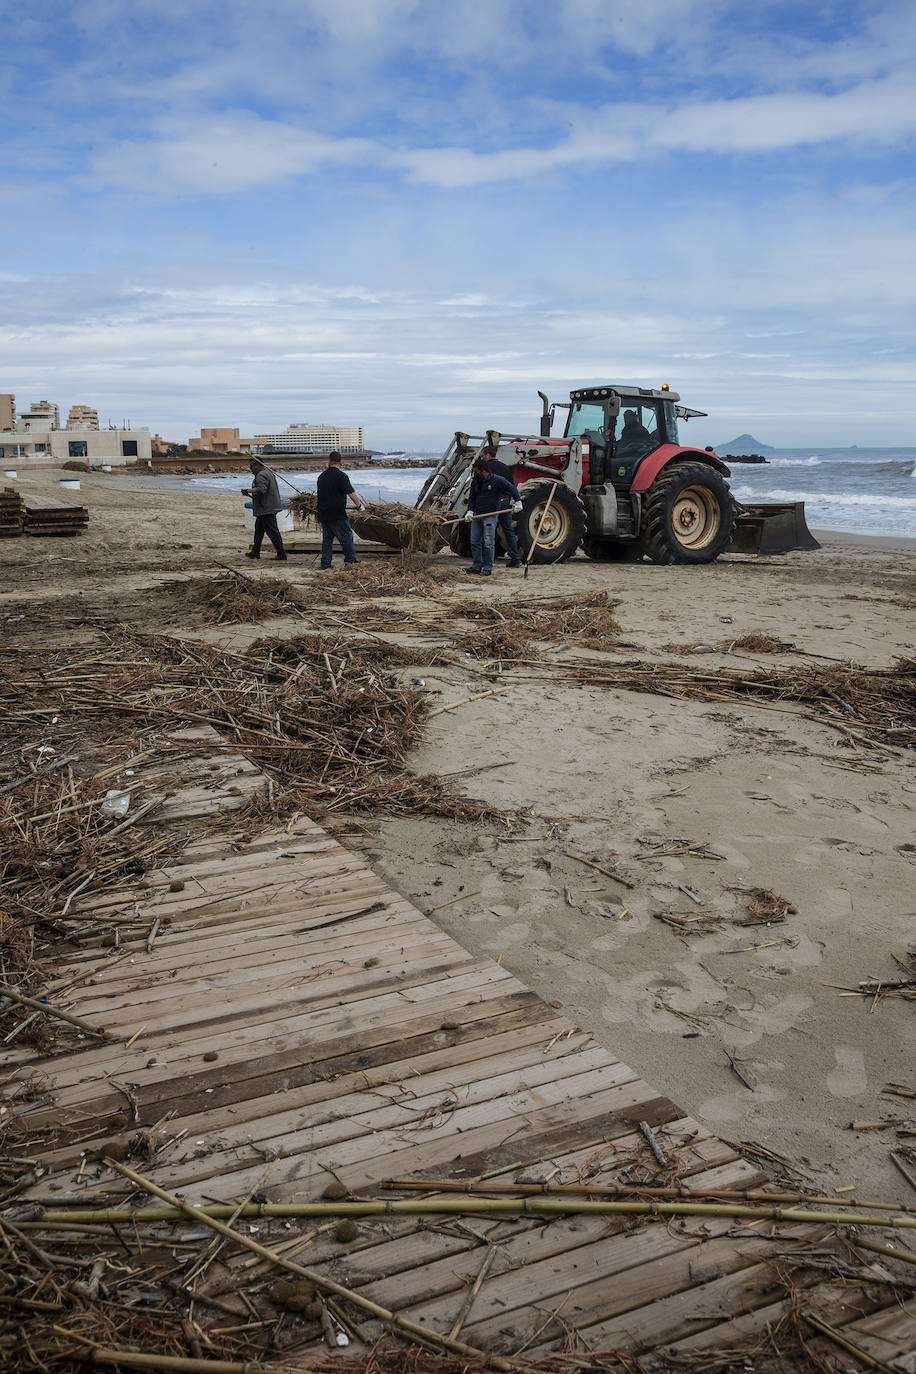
<point x="635" y="440"/>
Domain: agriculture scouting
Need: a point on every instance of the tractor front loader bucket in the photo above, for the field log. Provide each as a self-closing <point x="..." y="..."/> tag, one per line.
<point x="400" y="527"/>
<point x="771" y="527"/>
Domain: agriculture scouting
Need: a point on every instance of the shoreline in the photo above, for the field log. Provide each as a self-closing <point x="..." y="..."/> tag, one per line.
<point x="141" y="479"/>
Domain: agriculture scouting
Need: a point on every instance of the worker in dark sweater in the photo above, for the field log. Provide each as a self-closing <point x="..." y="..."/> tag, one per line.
<point x="489" y="495"/>
<point x="334" y="488"/>
<point x="505" y="523"/>
<point x="265" y="506"/>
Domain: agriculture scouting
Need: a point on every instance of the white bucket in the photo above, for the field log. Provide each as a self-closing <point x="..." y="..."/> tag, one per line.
<point x="106" y="467"/>
<point x="10" y="472"/>
<point x="70" y="483"/>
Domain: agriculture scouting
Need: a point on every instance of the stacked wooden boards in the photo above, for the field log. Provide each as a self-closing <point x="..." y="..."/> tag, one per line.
<point x="12" y="511"/>
<point x="44" y="520"/>
<point x="297" y="1024"/>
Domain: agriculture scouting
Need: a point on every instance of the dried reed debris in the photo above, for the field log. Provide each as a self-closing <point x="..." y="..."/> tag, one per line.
<point x="230" y="598"/>
<point x="587" y="621"/>
<point x="325" y="715"/>
<point x="384" y="522"/>
<point x="755" y="643"/>
<point x="871" y="705"/>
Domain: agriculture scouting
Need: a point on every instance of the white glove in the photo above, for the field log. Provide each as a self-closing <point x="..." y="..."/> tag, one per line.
<point x="468" y="515"/>
<point x="518" y="508"/>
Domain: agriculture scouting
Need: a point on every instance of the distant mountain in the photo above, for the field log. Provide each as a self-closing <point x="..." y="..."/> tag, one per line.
<point x="745" y="443"/>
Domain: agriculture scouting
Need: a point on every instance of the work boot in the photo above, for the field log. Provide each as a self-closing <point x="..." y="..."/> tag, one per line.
<point x="514" y="563"/>
<point x="249" y="554"/>
<point x="485" y="572"/>
<point x="475" y="571"/>
<point x="280" y="558"/>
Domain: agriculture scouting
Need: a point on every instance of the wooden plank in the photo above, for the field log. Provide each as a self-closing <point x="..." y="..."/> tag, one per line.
<point x="249" y="1073"/>
<point x="132" y="1005"/>
<point x="179" y="955"/>
<point x="365" y="1130"/>
<point x="266" y="1030"/>
<point x="415" y="1083"/>
<point x="664" y="1300"/>
<point x="265" y="1034"/>
<point x="367" y="1161"/>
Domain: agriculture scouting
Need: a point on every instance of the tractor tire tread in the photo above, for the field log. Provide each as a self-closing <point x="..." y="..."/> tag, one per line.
<point x="657" y="539"/>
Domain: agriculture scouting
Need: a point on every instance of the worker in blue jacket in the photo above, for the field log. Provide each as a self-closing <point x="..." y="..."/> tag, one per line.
<point x="504" y="523"/>
<point x="489" y="494"/>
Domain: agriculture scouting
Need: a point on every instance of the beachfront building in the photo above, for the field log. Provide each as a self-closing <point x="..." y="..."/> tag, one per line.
<point x="40" y="415"/>
<point x="313" y="439"/>
<point x="30" y="446"/>
<point x="82" y="417"/>
<point x="219" y="440"/>
<point x="7" y="410"/>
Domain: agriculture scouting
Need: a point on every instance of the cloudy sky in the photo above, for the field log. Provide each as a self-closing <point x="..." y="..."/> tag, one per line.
<point x="412" y="214"/>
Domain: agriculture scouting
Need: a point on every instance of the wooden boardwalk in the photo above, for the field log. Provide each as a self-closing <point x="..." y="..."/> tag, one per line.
<point x="298" y="1023"/>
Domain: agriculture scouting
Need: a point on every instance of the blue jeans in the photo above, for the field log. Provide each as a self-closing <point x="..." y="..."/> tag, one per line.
<point x="507" y="529"/>
<point x="340" y="531"/>
<point x="483" y="537"/>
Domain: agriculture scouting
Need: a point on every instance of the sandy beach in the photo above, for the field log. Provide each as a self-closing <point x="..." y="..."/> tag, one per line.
<point x="692" y="802"/>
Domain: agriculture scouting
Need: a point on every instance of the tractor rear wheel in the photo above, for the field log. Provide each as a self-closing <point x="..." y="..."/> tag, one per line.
<point x="612" y="550"/>
<point x="563" y="527"/>
<point x="688" y="515"/>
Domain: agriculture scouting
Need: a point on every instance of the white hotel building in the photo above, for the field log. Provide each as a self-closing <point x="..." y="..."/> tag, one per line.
<point x="313" y="439"/>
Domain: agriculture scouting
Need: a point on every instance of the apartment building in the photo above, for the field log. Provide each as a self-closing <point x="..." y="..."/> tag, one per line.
<point x="313" y="439"/>
<point x="40" y="415"/>
<point x="82" y="417"/>
<point x="7" y="410"/>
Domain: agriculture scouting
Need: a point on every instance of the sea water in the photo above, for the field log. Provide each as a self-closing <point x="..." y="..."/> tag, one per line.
<point x="855" y="490"/>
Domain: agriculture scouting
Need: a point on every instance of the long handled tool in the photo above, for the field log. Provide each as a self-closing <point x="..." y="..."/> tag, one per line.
<point x="479" y="515"/>
<point x="534" y="542"/>
<point x="281" y="477"/>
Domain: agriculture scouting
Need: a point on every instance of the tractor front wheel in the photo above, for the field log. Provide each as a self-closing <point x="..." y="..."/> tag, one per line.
<point x="688" y="515"/>
<point x="563" y="523"/>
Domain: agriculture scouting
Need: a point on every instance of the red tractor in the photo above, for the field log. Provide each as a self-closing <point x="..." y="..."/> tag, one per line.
<point x="620" y="484"/>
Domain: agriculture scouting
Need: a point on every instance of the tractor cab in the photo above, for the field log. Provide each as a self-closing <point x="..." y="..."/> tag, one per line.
<point x="623" y="425"/>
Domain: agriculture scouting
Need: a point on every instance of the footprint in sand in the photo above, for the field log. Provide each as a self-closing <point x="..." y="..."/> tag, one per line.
<point x="848" y="1077"/>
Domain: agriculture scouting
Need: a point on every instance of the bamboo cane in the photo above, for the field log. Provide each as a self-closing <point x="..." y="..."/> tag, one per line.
<point x="845" y="1344"/>
<point x="468" y="1206"/>
<point x="893" y="1252"/>
<point x="319" y="1280"/>
<point x="138" y="1359"/>
<point x="448" y="1185"/>
<point x="52" y="1011"/>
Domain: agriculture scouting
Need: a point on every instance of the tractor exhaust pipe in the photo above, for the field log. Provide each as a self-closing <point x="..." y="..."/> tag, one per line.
<point x="546" y="416"/>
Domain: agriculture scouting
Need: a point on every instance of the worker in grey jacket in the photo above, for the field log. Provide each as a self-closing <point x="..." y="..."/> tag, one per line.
<point x="265" y="506"/>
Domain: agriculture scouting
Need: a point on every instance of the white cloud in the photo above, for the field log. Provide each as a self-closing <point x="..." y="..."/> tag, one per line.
<point x="223" y="154"/>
